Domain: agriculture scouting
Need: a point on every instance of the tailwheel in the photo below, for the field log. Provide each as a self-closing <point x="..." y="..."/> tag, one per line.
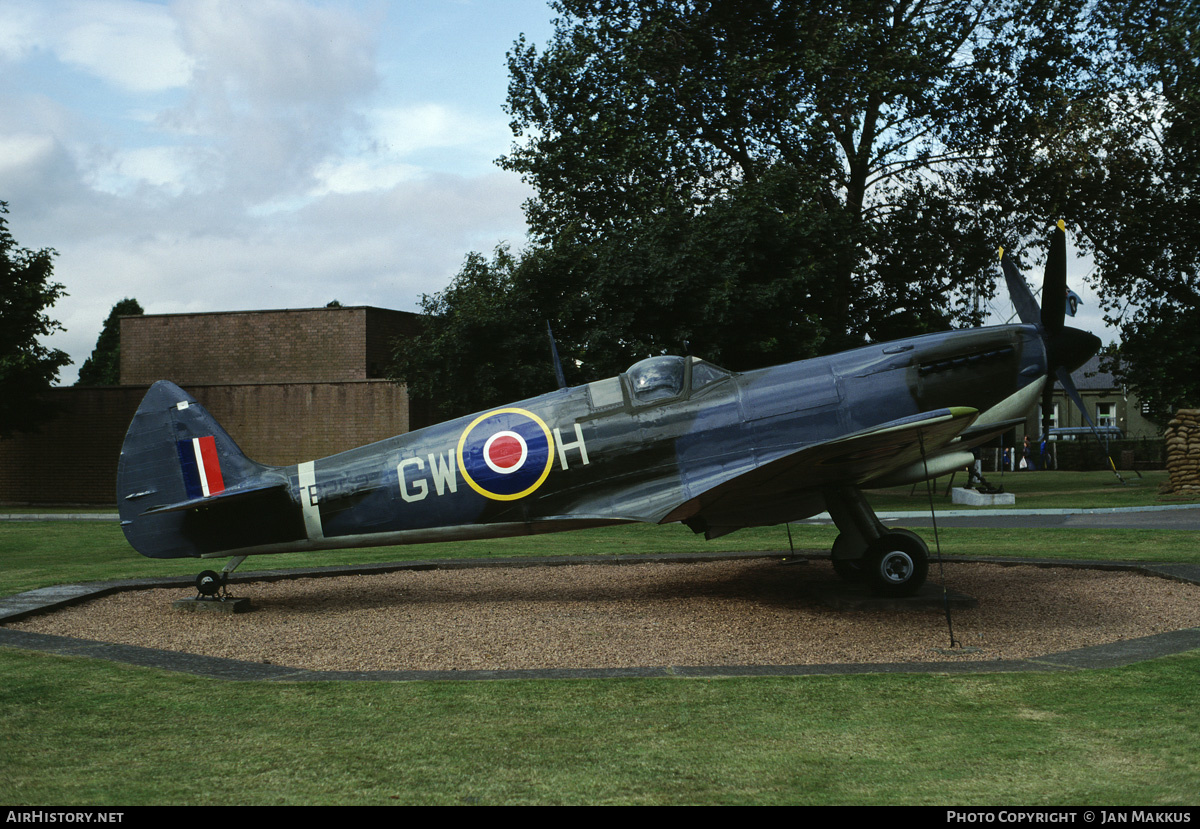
<point x="896" y="563"/>
<point x="213" y="585"/>
<point x="209" y="583"/>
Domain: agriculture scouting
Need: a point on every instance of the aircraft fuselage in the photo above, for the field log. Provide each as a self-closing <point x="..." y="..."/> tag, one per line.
<point x="628" y="448"/>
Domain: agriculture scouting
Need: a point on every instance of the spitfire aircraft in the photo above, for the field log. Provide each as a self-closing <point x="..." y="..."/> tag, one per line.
<point x="673" y="439"/>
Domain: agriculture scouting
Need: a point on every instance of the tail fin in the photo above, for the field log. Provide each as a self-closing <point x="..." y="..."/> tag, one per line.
<point x="185" y="489"/>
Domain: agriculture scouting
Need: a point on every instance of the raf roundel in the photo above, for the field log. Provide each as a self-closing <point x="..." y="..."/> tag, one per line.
<point x="506" y="454"/>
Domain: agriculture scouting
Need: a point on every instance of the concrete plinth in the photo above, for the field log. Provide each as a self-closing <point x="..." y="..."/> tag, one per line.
<point x="969" y="497"/>
<point x="202" y="605"/>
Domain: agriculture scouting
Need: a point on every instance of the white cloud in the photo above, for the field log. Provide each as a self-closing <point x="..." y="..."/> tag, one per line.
<point x="205" y="155"/>
<point x="131" y="45"/>
<point x="20" y="29"/>
<point x="405" y="131"/>
<point x="276" y="87"/>
<point x="37" y="175"/>
<point x="379" y="247"/>
<point x="360" y="175"/>
<point x="169" y="169"/>
<point x="406" y="143"/>
<point x="278" y="55"/>
<point x="19" y="151"/>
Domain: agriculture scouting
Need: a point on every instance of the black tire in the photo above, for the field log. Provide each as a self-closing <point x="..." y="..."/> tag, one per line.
<point x="208" y="583"/>
<point x="896" y="563"/>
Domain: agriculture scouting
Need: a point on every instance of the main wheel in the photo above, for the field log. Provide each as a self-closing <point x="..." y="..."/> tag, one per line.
<point x="896" y="563"/>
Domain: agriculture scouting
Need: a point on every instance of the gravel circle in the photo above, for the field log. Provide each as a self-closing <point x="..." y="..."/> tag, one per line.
<point x="747" y="612"/>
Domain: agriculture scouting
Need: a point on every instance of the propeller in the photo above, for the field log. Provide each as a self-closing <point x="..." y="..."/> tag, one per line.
<point x="1066" y="348"/>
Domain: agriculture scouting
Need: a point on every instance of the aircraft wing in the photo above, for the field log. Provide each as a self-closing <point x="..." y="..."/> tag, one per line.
<point x="851" y="460"/>
<point x="980" y="433"/>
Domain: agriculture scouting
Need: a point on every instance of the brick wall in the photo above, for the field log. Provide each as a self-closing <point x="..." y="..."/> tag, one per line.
<point x="287" y="423"/>
<point x="73" y="460"/>
<point x="289" y="386"/>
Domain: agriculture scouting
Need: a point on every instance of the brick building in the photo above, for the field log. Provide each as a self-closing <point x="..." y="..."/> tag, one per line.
<point x="310" y="345"/>
<point x="288" y="385"/>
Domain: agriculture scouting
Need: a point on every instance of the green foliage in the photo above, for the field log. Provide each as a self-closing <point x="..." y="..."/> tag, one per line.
<point x="483" y="342"/>
<point x="1111" y="143"/>
<point x="772" y="181"/>
<point x="1159" y="357"/>
<point x="1140" y="200"/>
<point x="738" y="281"/>
<point x="27" y="368"/>
<point x="103" y="368"/>
<point x="649" y="127"/>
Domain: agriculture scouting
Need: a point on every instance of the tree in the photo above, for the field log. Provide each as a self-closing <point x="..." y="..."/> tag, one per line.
<point x="1158" y="357"/>
<point x="486" y="342"/>
<point x="27" y="368"/>
<point x="1140" y="205"/>
<point x="881" y="114"/>
<point x="770" y="181"/>
<point x="103" y="367"/>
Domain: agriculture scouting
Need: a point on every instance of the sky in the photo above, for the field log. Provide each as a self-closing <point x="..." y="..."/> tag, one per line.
<point x="218" y="155"/>
<point x="213" y="155"/>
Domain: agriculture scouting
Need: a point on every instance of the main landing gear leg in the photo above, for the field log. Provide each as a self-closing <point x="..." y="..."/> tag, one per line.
<point x="892" y="562"/>
<point x="210" y="583"/>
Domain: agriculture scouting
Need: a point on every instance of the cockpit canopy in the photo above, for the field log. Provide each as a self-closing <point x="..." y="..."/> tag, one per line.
<point x="656" y="378"/>
<point x="660" y="378"/>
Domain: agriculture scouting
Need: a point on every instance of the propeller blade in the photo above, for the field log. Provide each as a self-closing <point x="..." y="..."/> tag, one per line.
<point x="1064" y="380"/>
<point x="1054" y="285"/>
<point x="1066" y="348"/>
<point x="1022" y="297"/>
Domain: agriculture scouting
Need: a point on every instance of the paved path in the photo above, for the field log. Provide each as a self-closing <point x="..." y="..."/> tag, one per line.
<point x="1177" y="517"/>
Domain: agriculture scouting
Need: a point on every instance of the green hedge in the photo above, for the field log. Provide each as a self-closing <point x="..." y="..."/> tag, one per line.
<point x="1085" y="455"/>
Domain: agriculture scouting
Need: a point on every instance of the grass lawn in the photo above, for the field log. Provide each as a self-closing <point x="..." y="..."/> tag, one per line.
<point x="82" y="732"/>
<point x="77" y="731"/>
<point x="1041" y="490"/>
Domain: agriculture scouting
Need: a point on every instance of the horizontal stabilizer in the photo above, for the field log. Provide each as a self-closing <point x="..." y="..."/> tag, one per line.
<point x="241" y="493"/>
